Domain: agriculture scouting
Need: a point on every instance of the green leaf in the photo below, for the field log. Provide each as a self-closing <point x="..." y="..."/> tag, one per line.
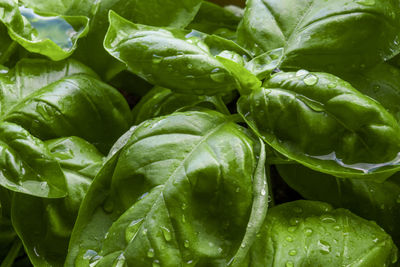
<point x="325" y="124"/>
<point x="51" y="35"/>
<point x="7" y="45"/>
<point x="310" y="233"/>
<point x="374" y="201"/>
<point x="29" y="75"/>
<point x="187" y="188"/>
<point x="45" y="225"/>
<point x="162" y="101"/>
<point x="382" y="83"/>
<point x="214" y="19"/>
<point x="172" y="13"/>
<point x="170" y="58"/>
<point x="263" y="65"/>
<point x="323" y="35"/>
<point x="27" y="166"/>
<point x="42" y="100"/>
<point x="56" y="101"/>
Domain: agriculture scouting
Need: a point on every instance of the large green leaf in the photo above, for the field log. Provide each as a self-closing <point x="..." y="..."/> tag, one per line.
<point x="214" y="19"/>
<point x="47" y="34"/>
<point x="325" y="124"/>
<point x="184" y="189"/>
<point x="323" y="35"/>
<point x="310" y="233"/>
<point x="61" y="100"/>
<point x="382" y="83"/>
<point x="161" y="101"/>
<point x="26" y="164"/>
<point x="374" y="201"/>
<point x="29" y="75"/>
<point x="180" y="60"/>
<point x="173" y="13"/>
<point x="45" y="225"/>
<point x="42" y="100"/>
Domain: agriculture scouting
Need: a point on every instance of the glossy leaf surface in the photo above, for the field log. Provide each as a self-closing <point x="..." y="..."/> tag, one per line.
<point x="382" y="83"/>
<point x="201" y="174"/>
<point x="162" y="101"/>
<point x="174" y="59"/>
<point x="374" y="201"/>
<point x="323" y="35"/>
<point x="172" y="13"/>
<point x="26" y="164"/>
<point x="310" y="233"/>
<point x="325" y="124"/>
<point x="50" y="35"/>
<point x="45" y="225"/>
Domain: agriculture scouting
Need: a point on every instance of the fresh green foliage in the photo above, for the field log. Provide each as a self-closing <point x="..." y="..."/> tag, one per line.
<point x="308" y="233"/>
<point x="176" y="59"/>
<point x="323" y="35"/>
<point x="161" y="101"/>
<point x="374" y="201"/>
<point x="148" y="133"/>
<point x="52" y="36"/>
<point x="176" y="180"/>
<point x="322" y="122"/>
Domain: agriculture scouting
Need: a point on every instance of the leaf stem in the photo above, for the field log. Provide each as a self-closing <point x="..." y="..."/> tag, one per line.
<point x="10" y="50"/>
<point x="12" y="253"/>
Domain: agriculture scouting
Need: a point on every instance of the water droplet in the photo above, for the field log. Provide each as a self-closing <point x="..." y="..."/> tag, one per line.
<point x="150" y="253"/>
<point x="132" y="229"/>
<point x="144" y="231"/>
<point x="166" y="233"/>
<point x="327" y="219"/>
<point x="157" y="59"/>
<point x="366" y="2"/>
<point x="186" y="243"/>
<point x="120" y="262"/>
<point x="289" y="239"/>
<point x="189" y="66"/>
<point x="301" y="73"/>
<point x="375" y="240"/>
<point x="324" y="247"/>
<point x="156" y="263"/>
<point x="263" y="192"/>
<point x="89" y="254"/>
<point x="292" y="229"/>
<point x="289" y="264"/>
<point x="217" y="76"/>
<point x="294" y="221"/>
<point x="310" y="79"/>
<point x="308" y="231"/>
<point x="184" y="206"/>
<point x="332" y="85"/>
<point x="292" y="252"/>
<point x="54" y="28"/>
<point x="243" y="245"/>
<point x="336" y="228"/>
